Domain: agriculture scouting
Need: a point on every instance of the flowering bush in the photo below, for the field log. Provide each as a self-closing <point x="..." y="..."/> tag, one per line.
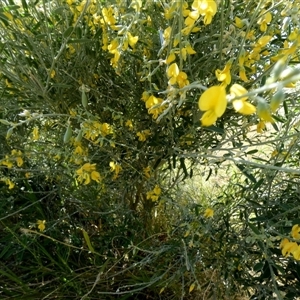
<point x="107" y="106"/>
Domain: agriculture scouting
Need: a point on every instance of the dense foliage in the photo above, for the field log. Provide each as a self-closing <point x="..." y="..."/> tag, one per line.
<point x="149" y="149"/>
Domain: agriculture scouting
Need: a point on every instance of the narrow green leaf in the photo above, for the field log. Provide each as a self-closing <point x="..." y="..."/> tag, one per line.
<point x="87" y="240"/>
<point x="68" y="32"/>
<point x="246" y="173"/>
<point x="258" y="266"/>
<point x="253" y="228"/>
<point x="24" y="4"/>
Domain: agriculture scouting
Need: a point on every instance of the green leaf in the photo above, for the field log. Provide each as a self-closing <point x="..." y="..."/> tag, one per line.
<point x="246" y="172"/>
<point x="258" y="266"/>
<point x="67" y="33"/>
<point x="79" y="41"/>
<point x="252" y="151"/>
<point x="87" y="240"/>
<point x="24" y="4"/>
<point x="253" y="228"/>
<point x="258" y="184"/>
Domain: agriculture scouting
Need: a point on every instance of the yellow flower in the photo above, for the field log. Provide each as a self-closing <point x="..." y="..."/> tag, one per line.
<point x="206" y="8"/>
<point x="108" y="16"/>
<point x="147" y="172"/>
<point x="95" y="176"/>
<point x="154" y="194"/>
<point x="170" y="58"/>
<point x="145" y="96"/>
<point x="19" y="161"/>
<point x="264" y="20"/>
<point x="8" y="182"/>
<point x="260" y="127"/>
<point x="157" y="190"/>
<point x="224" y="76"/>
<point x="7" y="163"/>
<point x="88" y="167"/>
<point x="114" y="167"/>
<point x="213" y="102"/>
<point x="132" y="40"/>
<point x="35" y="133"/>
<point x="52" y="74"/>
<point x="172" y="73"/>
<point x="136" y="5"/>
<point x="41" y="224"/>
<point x="129" y="124"/>
<point x="88" y="172"/>
<point x="242" y="74"/>
<point x="296" y="232"/>
<point x="167" y="34"/>
<point x="241" y="105"/>
<point x="263" y="41"/>
<point x="296" y="253"/>
<point x="288" y="247"/>
<point x="143" y="135"/>
<point x="209" y="213"/>
<point x="105" y="129"/>
<point x="238" y="22"/>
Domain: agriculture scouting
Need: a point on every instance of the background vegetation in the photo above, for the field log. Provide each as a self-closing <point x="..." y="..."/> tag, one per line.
<point x="149" y="149"/>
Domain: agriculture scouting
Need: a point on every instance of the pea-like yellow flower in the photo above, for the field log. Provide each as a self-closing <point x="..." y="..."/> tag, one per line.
<point x="260" y="127"/>
<point x="296" y="232"/>
<point x="206" y="8"/>
<point x="154" y="194"/>
<point x="288" y="247"/>
<point x="224" y="75"/>
<point x="41" y="224"/>
<point x="132" y="40"/>
<point x="241" y="105"/>
<point x="238" y="22"/>
<point x="173" y="72"/>
<point x="35" y="133"/>
<point x="213" y="102"/>
<point x="264" y="20"/>
<point x="296" y="253"/>
<point x="209" y="213"/>
<point x="242" y="74"/>
<point x="170" y="58"/>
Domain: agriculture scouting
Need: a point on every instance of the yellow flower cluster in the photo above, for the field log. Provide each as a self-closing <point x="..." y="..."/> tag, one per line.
<point x="92" y="129"/>
<point x="205" y="8"/>
<point x="87" y="173"/>
<point x="8" y="182"/>
<point x="154" y="194"/>
<point x="143" y="135"/>
<point x="16" y="155"/>
<point x="153" y="104"/>
<point x="287" y="247"/>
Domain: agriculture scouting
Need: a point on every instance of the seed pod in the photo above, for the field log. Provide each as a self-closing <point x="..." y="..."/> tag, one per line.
<point x="276" y="100"/>
<point x="279" y="68"/>
<point x="9" y="132"/>
<point x="68" y="134"/>
<point x="289" y="73"/>
<point x="5" y="122"/>
<point x="84" y="99"/>
<point x="79" y="136"/>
